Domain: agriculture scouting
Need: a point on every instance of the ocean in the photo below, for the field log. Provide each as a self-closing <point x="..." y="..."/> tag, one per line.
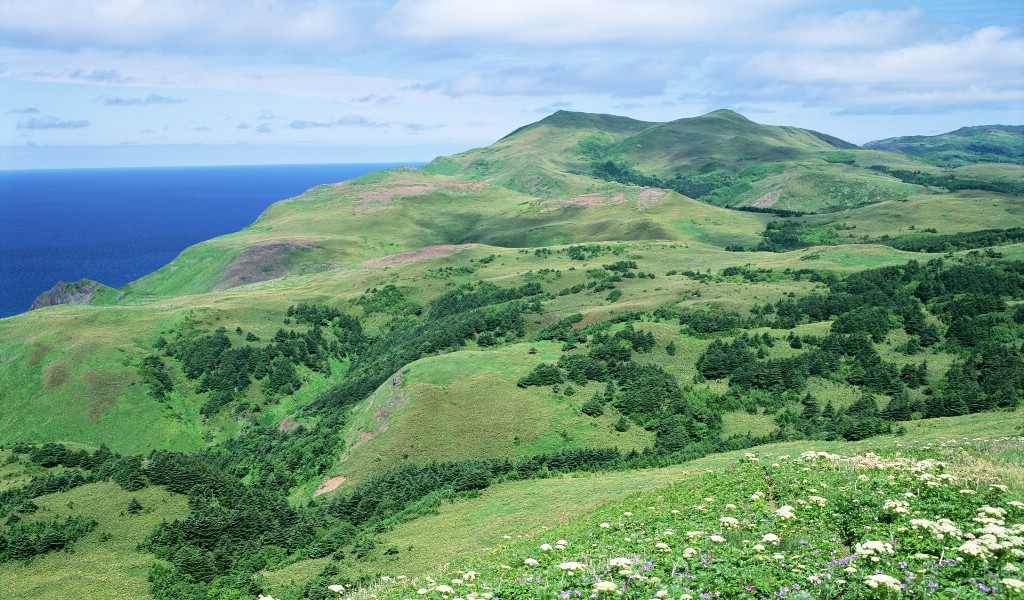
<point x="116" y="225"/>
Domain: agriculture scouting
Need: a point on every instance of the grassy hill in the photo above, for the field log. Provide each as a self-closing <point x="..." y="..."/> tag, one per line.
<point x="561" y="310"/>
<point x="483" y="531"/>
<point x="967" y="145"/>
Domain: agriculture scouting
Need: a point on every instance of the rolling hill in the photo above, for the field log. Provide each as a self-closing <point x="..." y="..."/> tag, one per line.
<point x="967" y="145"/>
<point x="589" y="298"/>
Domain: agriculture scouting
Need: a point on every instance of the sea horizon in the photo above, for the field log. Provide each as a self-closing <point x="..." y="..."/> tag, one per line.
<point x="116" y="224"/>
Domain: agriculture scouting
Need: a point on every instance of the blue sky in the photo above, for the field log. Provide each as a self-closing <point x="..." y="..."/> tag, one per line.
<point x="169" y="82"/>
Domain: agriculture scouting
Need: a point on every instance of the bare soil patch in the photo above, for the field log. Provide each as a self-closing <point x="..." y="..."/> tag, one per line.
<point x="649" y="197"/>
<point x="768" y="200"/>
<point x="329" y="485"/>
<point x="418" y="254"/>
<point x="261" y="262"/>
<point x="381" y="419"/>
<point x="289" y="424"/>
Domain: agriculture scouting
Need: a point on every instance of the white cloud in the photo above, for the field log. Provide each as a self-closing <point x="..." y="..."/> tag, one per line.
<point x="50" y="122"/>
<point x="851" y="29"/>
<point x="569" y="22"/>
<point x="200" y="25"/>
<point x="987" y="55"/>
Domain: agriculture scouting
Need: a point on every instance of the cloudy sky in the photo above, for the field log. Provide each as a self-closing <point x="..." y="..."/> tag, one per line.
<point x="161" y="82"/>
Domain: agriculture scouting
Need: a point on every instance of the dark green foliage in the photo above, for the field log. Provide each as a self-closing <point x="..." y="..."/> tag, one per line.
<point x="899" y="408"/>
<point x="580" y="369"/>
<point x="154" y="375"/>
<point x="128" y="473"/>
<point x="134" y="506"/>
<point x="593" y="407"/>
<point x="956" y="241"/>
<point x="388" y="300"/>
<point x="873" y="320"/>
<point x="783" y="236"/>
<point x="226" y="371"/>
<point x="622" y="425"/>
<point x="561" y="329"/>
<point x="721" y="359"/>
<point x="951" y="182"/>
<point x="703" y="322"/>
<point x="542" y="374"/>
<point x="23" y="541"/>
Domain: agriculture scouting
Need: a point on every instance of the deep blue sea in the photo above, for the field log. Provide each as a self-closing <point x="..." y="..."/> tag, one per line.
<point x="116" y="225"/>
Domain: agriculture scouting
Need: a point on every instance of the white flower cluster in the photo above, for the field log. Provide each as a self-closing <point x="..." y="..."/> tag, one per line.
<point x="882" y="580"/>
<point x="786" y="512"/>
<point x="941" y="528"/>
<point x="729" y="522"/>
<point x="874" y="549"/>
<point x="897" y="506"/>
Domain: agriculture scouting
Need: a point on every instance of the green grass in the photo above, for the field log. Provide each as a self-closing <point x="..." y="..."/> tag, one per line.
<point x="106" y="563"/>
<point x="529" y="512"/>
<point x="466" y="405"/>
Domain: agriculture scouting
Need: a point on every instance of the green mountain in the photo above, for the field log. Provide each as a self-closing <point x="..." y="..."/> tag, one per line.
<point x="965" y="146"/>
<point x="589" y="303"/>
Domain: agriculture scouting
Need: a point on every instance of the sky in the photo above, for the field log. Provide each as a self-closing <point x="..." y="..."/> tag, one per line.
<point x="103" y="83"/>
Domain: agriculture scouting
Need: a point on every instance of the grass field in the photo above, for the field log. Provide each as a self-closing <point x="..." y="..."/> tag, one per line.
<point x="523" y="510"/>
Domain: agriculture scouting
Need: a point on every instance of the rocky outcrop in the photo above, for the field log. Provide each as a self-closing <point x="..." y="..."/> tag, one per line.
<point x="79" y="292"/>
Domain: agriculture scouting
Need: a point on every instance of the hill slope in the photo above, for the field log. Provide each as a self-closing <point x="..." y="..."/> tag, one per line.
<point x="967" y="145"/>
<point x="557" y="303"/>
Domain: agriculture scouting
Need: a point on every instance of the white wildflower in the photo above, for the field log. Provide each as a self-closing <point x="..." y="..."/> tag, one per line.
<point x="874" y="581"/>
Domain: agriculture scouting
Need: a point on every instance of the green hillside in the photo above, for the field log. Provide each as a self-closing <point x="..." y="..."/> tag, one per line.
<point x="967" y="145"/>
<point x="590" y="305"/>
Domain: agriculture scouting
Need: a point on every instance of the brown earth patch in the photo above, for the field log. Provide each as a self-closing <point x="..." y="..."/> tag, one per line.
<point x="104" y="387"/>
<point x="418" y="254"/>
<point x="380" y="196"/>
<point x="56" y="374"/>
<point x="649" y="197"/>
<point x="261" y="262"/>
<point x="329" y="485"/>
<point x="381" y="419"/>
<point x="768" y="200"/>
<point x="289" y="424"/>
